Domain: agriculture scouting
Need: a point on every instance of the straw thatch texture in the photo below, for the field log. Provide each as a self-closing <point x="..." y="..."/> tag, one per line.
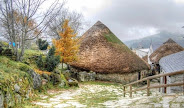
<point x="145" y="58"/>
<point x="169" y="47"/>
<point x="101" y="51"/>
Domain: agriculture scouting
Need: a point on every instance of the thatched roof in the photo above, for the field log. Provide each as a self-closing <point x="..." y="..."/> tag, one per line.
<point x="145" y="58"/>
<point x="101" y="51"/>
<point x="169" y="47"/>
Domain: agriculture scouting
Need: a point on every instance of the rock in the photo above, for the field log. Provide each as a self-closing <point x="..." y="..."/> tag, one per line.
<point x="45" y="76"/>
<point x="57" y="71"/>
<point x="67" y="74"/>
<point x="73" y="82"/>
<point x="44" y="81"/>
<point x="84" y="76"/>
<point x="28" y="93"/>
<point x="62" y="84"/>
<point x="17" y="88"/>
<point x="55" y="78"/>
<point x="60" y="66"/>
<point x="92" y="76"/>
<point x="1" y="100"/>
<point x="37" y="82"/>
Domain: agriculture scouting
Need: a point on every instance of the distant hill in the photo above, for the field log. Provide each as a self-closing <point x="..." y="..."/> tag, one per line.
<point x="157" y="38"/>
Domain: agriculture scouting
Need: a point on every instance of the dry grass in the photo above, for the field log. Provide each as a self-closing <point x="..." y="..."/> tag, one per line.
<point x="42" y="72"/>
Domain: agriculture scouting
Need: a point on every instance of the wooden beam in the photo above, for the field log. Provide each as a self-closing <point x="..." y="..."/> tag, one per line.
<point x="130" y="90"/>
<point x="148" y="89"/>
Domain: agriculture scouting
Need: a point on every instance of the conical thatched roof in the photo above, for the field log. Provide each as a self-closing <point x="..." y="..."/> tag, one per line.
<point x="169" y="41"/>
<point x="101" y="51"/>
<point x="169" y="47"/>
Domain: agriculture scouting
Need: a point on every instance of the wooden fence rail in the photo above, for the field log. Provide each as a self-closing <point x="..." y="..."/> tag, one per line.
<point x="148" y="87"/>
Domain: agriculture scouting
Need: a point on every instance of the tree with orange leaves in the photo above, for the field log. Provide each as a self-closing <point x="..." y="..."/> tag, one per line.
<point x="66" y="47"/>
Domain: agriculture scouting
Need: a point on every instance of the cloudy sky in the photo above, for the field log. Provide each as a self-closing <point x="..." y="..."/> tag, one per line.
<point x="133" y="19"/>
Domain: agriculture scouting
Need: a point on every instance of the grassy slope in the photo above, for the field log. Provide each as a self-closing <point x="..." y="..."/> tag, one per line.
<point x="9" y="68"/>
<point x="112" y="38"/>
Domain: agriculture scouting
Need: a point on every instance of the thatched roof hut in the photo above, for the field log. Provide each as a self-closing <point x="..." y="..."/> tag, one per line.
<point x="101" y="51"/>
<point x="168" y="47"/>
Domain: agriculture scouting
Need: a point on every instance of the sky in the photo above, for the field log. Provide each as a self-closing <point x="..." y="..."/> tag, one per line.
<point x="132" y="19"/>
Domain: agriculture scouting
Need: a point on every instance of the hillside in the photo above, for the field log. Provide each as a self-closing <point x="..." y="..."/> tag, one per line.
<point x="157" y="38"/>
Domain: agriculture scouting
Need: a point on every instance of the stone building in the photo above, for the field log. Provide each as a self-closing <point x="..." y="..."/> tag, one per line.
<point x="172" y="63"/>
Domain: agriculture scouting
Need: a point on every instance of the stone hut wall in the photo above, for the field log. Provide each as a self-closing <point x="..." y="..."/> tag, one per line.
<point x="175" y="79"/>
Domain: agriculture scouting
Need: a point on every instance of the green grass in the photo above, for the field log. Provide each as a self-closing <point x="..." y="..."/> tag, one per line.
<point x="112" y="38"/>
<point x="30" y="53"/>
<point x="12" y="73"/>
<point x="96" y="99"/>
<point x="30" y="57"/>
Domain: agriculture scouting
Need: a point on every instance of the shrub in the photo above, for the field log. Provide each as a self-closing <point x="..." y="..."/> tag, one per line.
<point x="39" y="62"/>
<point x="51" y="60"/>
<point x="4" y="44"/>
<point x="42" y="44"/>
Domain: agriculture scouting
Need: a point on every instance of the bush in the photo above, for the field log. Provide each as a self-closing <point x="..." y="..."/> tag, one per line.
<point x="50" y="63"/>
<point x="39" y="62"/>
<point x="42" y="44"/>
<point x="4" y="44"/>
<point x="51" y="60"/>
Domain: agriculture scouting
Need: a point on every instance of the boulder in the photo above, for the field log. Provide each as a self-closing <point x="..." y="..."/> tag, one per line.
<point x="44" y="81"/>
<point x="55" y="78"/>
<point x="57" y="71"/>
<point x="37" y="82"/>
<point x="72" y="82"/>
<point x="83" y="76"/>
<point x="67" y="74"/>
<point x="17" y="88"/>
<point x="92" y="76"/>
<point x="1" y="100"/>
<point x="28" y="93"/>
<point x="62" y="84"/>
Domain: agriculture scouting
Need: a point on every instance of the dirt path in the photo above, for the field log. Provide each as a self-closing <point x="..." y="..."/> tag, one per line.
<point x="107" y="95"/>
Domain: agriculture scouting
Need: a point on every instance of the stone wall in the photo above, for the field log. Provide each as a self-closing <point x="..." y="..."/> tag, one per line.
<point x="120" y="78"/>
<point x="171" y="80"/>
<point x="175" y="79"/>
<point x="114" y="77"/>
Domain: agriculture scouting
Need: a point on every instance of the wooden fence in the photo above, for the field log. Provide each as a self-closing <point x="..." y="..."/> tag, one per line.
<point x="148" y="87"/>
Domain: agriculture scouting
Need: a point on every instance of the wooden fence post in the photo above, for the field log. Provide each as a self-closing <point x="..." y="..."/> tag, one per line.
<point x="124" y="91"/>
<point x="148" y="85"/>
<point x="130" y="90"/>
